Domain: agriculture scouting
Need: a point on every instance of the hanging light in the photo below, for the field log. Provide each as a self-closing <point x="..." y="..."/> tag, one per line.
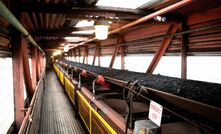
<point x="66" y="48"/>
<point x="59" y="52"/>
<point x="55" y="54"/>
<point x="101" y="29"/>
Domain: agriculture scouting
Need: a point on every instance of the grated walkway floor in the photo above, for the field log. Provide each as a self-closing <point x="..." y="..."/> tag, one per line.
<point x="57" y="115"/>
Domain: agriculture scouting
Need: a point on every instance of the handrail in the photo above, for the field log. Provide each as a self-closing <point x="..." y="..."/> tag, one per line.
<point x="28" y="116"/>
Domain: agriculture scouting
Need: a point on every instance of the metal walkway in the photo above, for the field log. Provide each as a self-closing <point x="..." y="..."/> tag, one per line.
<point x="57" y="115"/>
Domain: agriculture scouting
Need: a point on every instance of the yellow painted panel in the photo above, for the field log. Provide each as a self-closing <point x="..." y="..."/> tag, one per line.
<point x="61" y="76"/>
<point x="84" y="110"/>
<point x="109" y="128"/>
<point x="69" y="87"/>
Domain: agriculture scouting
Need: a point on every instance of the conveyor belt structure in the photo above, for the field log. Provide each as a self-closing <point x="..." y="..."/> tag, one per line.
<point x="195" y="96"/>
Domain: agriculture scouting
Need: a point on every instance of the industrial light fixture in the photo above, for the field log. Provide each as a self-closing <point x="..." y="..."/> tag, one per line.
<point x="66" y="48"/>
<point x="101" y="29"/>
<point x="55" y="54"/>
<point x="160" y="18"/>
<point x="59" y="52"/>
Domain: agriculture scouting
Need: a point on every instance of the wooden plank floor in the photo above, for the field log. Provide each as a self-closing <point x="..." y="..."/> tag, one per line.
<point x="57" y="115"/>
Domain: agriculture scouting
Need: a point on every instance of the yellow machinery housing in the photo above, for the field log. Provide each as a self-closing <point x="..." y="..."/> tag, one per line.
<point x="93" y="121"/>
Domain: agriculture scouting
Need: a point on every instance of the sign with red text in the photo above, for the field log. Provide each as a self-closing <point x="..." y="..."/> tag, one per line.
<point x="155" y="112"/>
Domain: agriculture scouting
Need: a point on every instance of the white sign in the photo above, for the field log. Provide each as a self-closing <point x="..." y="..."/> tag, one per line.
<point x="155" y="112"/>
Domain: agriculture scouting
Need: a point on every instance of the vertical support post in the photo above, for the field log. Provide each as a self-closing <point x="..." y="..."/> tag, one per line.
<point x="85" y="60"/>
<point x="67" y="56"/>
<point x="79" y="54"/>
<point x="34" y="66"/>
<point x="99" y="54"/>
<point x="122" y="53"/>
<point x="163" y="47"/>
<point x="26" y="71"/>
<point x="114" y="54"/>
<point x="70" y="54"/>
<point x="96" y="53"/>
<point x="38" y="67"/>
<point x="40" y="57"/>
<point x="75" y="55"/>
<point x="86" y="55"/>
<point x="72" y="51"/>
<point x="183" y="54"/>
<point x="17" y="78"/>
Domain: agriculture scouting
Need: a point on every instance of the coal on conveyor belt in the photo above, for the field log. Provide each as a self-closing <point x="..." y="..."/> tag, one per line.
<point x="209" y="93"/>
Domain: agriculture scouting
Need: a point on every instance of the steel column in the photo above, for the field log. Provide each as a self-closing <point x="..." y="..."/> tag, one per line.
<point x="75" y="55"/>
<point x="114" y="54"/>
<point x="183" y="54"/>
<point x="119" y="41"/>
<point x="99" y="55"/>
<point x="96" y="53"/>
<point x="79" y="54"/>
<point x="18" y="87"/>
<point x="26" y="71"/>
<point x="34" y="66"/>
<point x="163" y="47"/>
<point x="86" y="48"/>
<point x="85" y="59"/>
<point x="122" y="53"/>
<point x="38" y="66"/>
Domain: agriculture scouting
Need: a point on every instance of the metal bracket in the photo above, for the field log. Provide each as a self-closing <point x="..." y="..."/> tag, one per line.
<point x="93" y="88"/>
<point x="79" y="81"/>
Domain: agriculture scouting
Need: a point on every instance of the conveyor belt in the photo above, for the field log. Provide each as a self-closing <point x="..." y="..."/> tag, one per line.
<point x="208" y="93"/>
<point x="57" y="112"/>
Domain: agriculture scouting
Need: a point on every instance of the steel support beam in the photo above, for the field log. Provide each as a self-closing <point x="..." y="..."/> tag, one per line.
<point x="79" y="54"/>
<point x="70" y="54"/>
<point x="65" y="31"/>
<point x="79" y="11"/>
<point x="26" y="71"/>
<point x="163" y="47"/>
<point x="38" y="65"/>
<point x="122" y="53"/>
<point x="75" y="55"/>
<point x="183" y="54"/>
<point x="18" y="81"/>
<point x="143" y="19"/>
<point x="114" y="54"/>
<point x="34" y="66"/>
<point x="99" y="54"/>
<point x="96" y="54"/>
<point x="85" y="59"/>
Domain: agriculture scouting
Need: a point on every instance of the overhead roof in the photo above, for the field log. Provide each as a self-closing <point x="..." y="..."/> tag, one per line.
<point x="50" y="21"/>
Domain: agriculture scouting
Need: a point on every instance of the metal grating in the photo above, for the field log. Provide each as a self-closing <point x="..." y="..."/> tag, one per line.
<point x="57" y="115"/>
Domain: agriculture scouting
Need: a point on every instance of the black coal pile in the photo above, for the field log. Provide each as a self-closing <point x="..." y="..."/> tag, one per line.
<point x="209" y="93"/>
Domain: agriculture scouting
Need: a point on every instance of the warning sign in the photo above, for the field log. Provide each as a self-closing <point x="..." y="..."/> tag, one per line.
<point x="155" y="112"/>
